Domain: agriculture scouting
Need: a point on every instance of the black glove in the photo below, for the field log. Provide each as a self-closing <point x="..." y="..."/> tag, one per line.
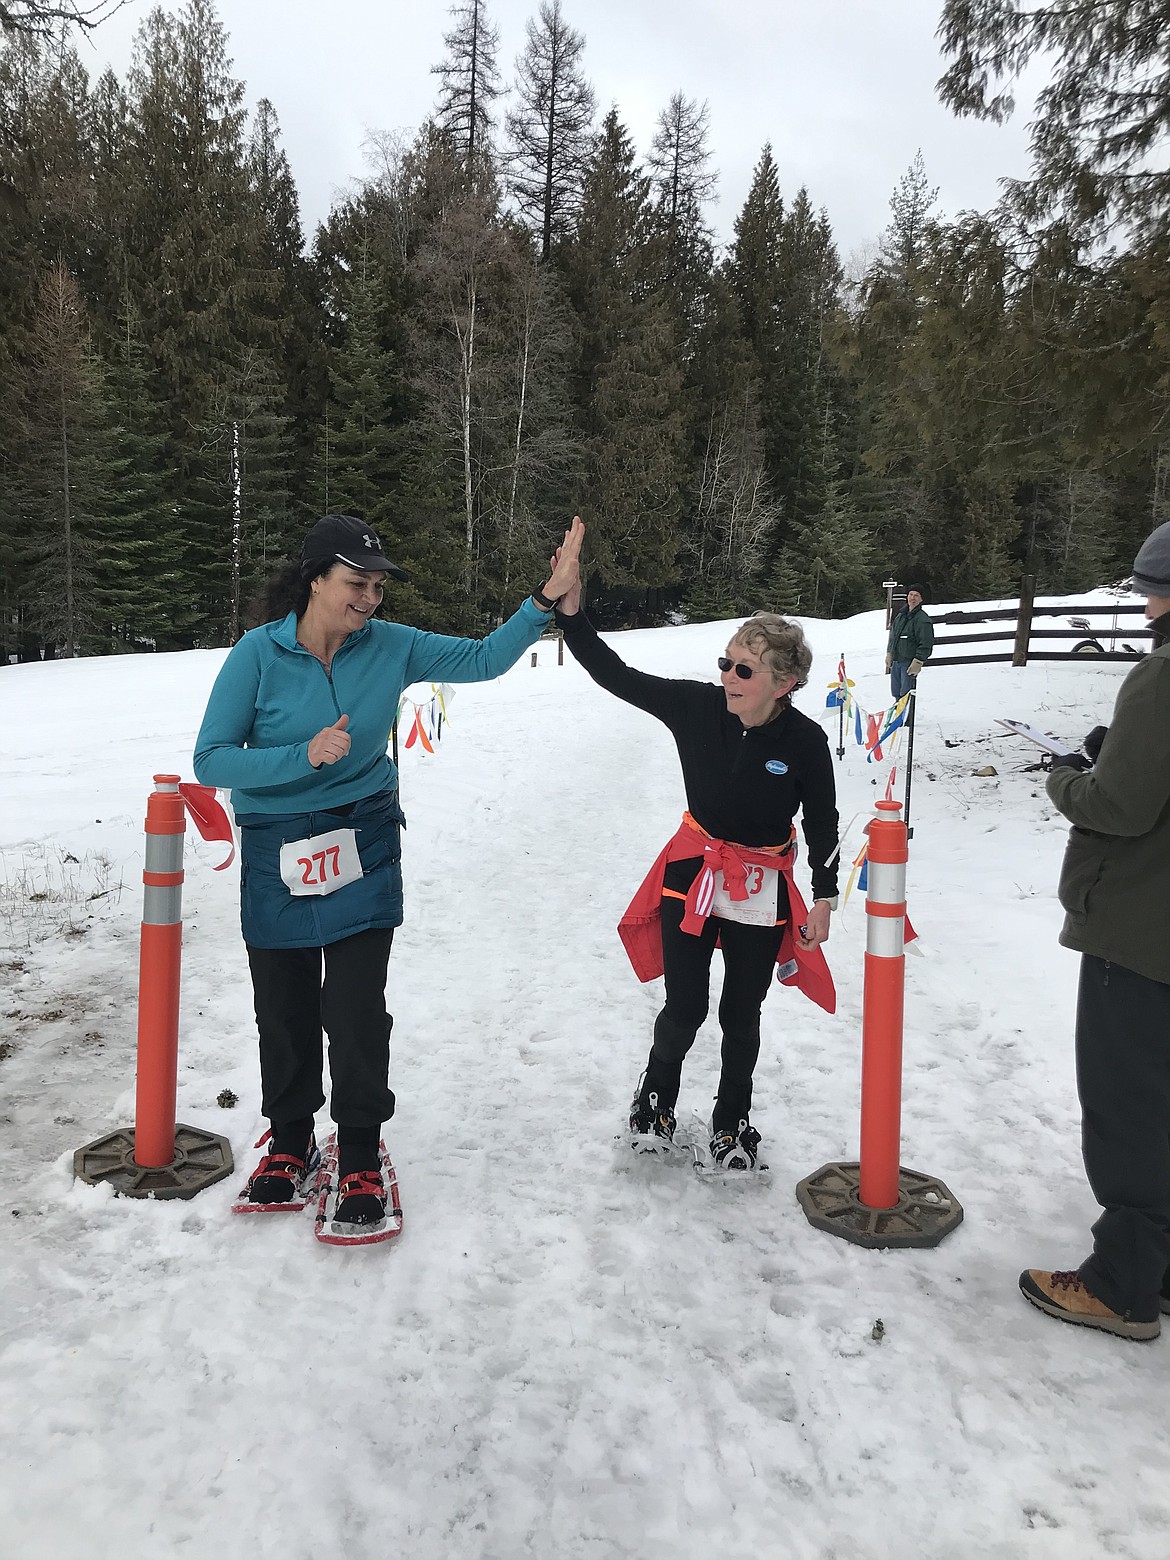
<point x="1070" y="761"/>
<point x="1092" y="743"/>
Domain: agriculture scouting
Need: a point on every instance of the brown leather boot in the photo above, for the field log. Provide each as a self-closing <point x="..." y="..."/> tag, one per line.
<point x="1063" y="1295"/>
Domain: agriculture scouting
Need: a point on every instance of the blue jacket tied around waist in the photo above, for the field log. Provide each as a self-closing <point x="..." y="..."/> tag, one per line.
<point x="272" y="696"/>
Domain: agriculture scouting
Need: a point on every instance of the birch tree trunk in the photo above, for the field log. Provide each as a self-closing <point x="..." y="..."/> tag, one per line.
<point x="67" y="521"/>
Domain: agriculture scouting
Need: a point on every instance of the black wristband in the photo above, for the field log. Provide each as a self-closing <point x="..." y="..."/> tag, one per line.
<point x="543" y="602"/>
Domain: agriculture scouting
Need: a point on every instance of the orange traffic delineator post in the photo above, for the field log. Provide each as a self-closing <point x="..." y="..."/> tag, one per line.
<point x="877" y="1201"/>
<point x="157" y="1157"/>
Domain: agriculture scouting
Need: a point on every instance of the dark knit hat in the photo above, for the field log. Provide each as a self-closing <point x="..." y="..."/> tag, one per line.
<point x="346" y="539"/>
<point x="1151" y="567"/>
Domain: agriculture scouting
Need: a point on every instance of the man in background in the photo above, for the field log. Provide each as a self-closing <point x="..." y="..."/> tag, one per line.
<point x="910" y="645"/>
<point x="1115" y="889"/>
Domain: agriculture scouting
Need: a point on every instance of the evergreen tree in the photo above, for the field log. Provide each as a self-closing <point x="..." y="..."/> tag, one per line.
<point x="948" y="424"/>
<point x="194" y="240"/>
<point x="1095" y="176"/>
<point x="45" y="196"/>
<point x="755" y="262"/>
<point x="802" y="384"/>
<point x="21" y="74"/>
<point x="631" y="393"/>
<point x="58" y="470"/>
<point x="910" y="208"/>
<point x="360" y="456"/>
<point x="893" y="489"/>
<point x="683" y="183"/>
<point x="283" y="462"/>
<point x="382" y="453"/>
<point x="836" y="553"/>
<point x="59" y="138"/>
<point x="254" y="433"/>
<point x="993" y="399"/>
<point x="727" y="477"/>
<point x="1101" y="115"/>
<point x="138" y="567"/>
<point x="787" y="279"/>
<point x="539" y="461"/>
<point x="106" y="269"/>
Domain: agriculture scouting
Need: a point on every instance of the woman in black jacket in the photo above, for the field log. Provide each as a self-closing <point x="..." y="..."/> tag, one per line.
<point x="750" y="761"/>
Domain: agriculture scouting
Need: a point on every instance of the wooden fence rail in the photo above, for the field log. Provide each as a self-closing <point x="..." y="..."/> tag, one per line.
<point x="1091" y="640"/>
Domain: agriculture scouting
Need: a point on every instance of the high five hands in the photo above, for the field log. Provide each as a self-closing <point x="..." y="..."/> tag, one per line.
<point x="564" y="583"/>
<point x="564" y="580"/>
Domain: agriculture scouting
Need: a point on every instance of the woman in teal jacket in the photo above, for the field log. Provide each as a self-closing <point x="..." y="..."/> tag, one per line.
<point x="297" y="728"/>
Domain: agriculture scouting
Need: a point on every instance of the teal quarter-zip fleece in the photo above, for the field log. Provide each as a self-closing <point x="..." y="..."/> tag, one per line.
<point x="272" y="696"/>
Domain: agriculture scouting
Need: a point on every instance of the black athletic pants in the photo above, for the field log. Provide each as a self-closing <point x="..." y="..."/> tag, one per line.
<point x="293" y="1005"/>
<point x="749" y="959"/>
<point x="1123" y="1078"/>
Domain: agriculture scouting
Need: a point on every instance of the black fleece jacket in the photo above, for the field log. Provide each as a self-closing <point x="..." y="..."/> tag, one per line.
<point x="744" y="784"/>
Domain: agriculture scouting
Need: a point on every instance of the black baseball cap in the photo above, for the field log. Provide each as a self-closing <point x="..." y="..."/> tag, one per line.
<point x="346" y="539"/>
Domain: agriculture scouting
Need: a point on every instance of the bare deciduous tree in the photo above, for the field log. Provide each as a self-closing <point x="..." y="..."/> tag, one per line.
<point x="535" y="400"/>
<point x="454" y="271"/>
<point x="33" y="16"/>
<point x="679" y="158"/>
<point x="550" y="129"/>
<point x="736" y="517"/>
<point x="470" y="81"/>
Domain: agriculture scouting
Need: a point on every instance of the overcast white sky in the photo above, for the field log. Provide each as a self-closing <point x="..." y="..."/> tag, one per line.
<point x="843" y="89"/>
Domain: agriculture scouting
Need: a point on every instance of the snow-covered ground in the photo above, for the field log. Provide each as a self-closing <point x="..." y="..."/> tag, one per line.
<point x="566" y="1354"/>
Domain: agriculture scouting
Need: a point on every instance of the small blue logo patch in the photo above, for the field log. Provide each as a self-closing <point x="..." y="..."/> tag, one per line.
<point x="775" y="767"/>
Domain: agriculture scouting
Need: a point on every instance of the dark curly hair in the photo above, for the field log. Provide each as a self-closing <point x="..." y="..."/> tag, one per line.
<point x="286" y="591"/>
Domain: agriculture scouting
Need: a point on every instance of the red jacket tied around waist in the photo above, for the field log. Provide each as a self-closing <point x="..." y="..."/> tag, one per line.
<point x="640" y="929"/>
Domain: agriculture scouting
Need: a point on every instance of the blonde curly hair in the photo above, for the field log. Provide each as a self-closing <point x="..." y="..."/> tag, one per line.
<point x="781" y="646"/>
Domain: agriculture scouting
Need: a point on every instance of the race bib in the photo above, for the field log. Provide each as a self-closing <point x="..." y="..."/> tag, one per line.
<point x="321" y="864"/>
<point x="759" y="908"/>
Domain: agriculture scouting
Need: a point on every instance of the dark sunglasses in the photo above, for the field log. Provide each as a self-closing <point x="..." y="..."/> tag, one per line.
<point x="741" y="670"/>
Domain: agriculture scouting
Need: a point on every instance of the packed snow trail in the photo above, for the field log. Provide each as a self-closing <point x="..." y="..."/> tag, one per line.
<point x="562" y="1357"/>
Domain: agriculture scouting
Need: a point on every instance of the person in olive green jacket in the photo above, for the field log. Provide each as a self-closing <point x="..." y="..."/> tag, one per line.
<point x="910" y="645"/>
<point x="1115" y="889"/>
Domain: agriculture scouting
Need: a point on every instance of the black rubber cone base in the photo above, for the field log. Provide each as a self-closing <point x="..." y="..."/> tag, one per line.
<point x="925" y="1211"/>
<point x="201" y="1159"/>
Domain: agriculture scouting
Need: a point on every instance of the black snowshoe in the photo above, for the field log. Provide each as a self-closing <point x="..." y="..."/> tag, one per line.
<point x="735" y="1151"/>
<point x="651" y="1126"/>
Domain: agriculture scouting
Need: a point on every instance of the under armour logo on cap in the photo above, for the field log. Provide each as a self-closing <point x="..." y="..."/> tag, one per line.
<point x="336" y="538"/>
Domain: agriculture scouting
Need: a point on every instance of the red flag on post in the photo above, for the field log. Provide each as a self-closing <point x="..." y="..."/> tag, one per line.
<point x="209" y="817"/>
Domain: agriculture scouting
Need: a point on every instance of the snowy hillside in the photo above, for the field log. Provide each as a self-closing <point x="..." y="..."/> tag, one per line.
<point x="567" y="1356"/>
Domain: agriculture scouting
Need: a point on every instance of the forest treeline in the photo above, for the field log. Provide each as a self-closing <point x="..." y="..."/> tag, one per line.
<point x="515" y="317"/>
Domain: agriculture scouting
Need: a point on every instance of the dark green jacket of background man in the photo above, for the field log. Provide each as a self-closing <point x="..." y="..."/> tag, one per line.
<point x="911" y="636"/>
<point x="1115" y="882"/>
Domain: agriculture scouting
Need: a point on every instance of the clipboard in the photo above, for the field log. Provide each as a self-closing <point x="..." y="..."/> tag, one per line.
<point x="1020" y="728"/>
